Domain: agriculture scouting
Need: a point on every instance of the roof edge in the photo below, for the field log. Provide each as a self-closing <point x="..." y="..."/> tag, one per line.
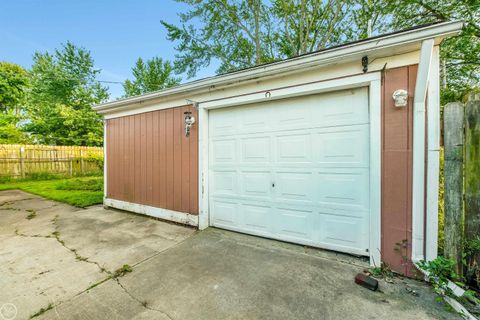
<point x="399" y="38"/>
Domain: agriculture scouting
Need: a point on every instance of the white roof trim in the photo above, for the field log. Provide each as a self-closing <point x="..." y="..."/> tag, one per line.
<point x="401" y="39"/>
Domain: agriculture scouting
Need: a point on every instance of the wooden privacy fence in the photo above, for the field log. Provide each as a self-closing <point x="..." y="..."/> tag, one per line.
<point x="20" y="161"/>
<point x="462" y="186"/>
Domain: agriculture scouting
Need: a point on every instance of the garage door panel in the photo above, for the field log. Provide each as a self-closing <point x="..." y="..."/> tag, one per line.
<point x="223" y="183"/>
<point x="224" y="213"/>
<point x="294" y="186"/>
<point x="254" y="119"/>
<point x="347" y="107"/>
<point x="289" y="114"/>
<point x="256" y="183"/>
<point x="294" y="169"/>
<point x="223" y="122"/>
<point x="343" y="231"/>
<point x="343" y="191"/>
<point x="293" y="148"/>
<point x="256" y="218"/>
<point x="342" y="146"/>
<point x="295" y="224"/>
<point x="256" y="149"/>
<point x="223" y="151"/>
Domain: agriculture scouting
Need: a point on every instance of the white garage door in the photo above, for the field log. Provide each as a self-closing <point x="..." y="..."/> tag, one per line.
<point x="294" y="169"/>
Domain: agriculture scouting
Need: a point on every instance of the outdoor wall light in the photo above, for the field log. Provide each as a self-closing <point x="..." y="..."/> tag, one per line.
<point x="189" y="121"/>
<point x="400" y="97"/>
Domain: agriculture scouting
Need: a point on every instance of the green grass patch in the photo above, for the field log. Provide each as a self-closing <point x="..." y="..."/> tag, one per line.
<point x="79" y="192"/>
<point x="81" y="184"/>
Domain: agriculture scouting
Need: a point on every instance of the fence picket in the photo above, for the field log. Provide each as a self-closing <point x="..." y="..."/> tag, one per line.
<point x="20" y="161"/>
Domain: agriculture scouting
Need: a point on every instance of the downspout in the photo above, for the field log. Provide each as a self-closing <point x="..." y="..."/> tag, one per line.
<point x="418" y="180"/>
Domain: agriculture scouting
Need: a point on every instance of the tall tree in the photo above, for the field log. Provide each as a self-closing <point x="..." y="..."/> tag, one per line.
<point x="154" y="74"/>
<point x="64" y="87"/>
<point x="243" y="33"/>
<point x="309" y="25"/>
<point x="13" y="87"/>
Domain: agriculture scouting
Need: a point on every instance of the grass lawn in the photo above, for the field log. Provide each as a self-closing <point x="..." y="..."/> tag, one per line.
<point x="79" y="192"/>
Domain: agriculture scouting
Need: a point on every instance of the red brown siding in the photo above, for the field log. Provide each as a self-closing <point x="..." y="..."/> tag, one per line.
<point x="397" y="140"/>
<point x="151" y="162"/>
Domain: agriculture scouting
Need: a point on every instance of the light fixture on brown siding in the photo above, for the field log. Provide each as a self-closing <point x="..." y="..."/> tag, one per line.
<point x="189" y="121"/>
<point x="400" y="97"/>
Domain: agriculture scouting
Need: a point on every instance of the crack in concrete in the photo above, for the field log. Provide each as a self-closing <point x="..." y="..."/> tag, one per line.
<point x="56" y="234"/>
<point x="13" y="201"/>
<point x="142" y="303"/>
<point x="110" y="275"/>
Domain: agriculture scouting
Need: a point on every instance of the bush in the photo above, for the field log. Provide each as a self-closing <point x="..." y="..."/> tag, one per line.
<point x="95" y="158"/>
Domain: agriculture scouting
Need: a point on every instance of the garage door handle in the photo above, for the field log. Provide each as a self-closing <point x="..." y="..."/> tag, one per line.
<point x="273" y="185"/>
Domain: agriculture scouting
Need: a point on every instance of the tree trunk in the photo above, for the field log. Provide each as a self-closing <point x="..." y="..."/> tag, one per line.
<point x="453" y="129"/>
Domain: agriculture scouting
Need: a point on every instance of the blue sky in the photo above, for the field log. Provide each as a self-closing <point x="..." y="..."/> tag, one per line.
<point x="116" y="32"/>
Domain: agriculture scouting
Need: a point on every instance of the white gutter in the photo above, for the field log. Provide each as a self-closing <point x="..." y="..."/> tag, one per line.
<point x="340" y="54"/>
<point x="418" y="180"/>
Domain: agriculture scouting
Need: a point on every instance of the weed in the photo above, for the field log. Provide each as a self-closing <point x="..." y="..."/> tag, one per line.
<point x="382" y="272"/>
<point x="440" y="270"/>
<point x="80" y="258"/>
<point x="122" y="271"/>
<point x="42" y="311"/>
<point x="98" y="283"/>
<point x="32" y="214"/>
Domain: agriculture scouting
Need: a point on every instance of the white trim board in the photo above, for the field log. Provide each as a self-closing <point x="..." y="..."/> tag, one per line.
<point x="433" y="158"/>
<point x="105" y="162"/>
<point x="175" y="216"/>
<point x="372" y="80"/>
<point x="418" y="180"/>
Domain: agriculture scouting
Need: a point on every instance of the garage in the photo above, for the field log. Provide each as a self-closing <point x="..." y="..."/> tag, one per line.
<point x="294" y="169"/>
<point x="336" y="149"/>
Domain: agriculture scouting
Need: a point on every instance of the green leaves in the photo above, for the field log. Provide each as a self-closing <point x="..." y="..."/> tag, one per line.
<point x="244" y="33"/>
<point x="152" y="75"/>
<point x="64" y="87"/>
<point x="460" y="55"/>
<point x="13" y="86"/>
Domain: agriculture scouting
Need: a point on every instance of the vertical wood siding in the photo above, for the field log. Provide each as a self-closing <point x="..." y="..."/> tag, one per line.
<point x="151" y="162"/>
<point x="397" y="141"/>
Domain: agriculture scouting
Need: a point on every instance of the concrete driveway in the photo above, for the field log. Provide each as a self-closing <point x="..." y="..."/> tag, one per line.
<point x="61" y="262"/>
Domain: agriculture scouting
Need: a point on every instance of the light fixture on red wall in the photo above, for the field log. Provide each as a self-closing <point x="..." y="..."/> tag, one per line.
<point x="189" y="121"/>
<point x="400" y="97"/>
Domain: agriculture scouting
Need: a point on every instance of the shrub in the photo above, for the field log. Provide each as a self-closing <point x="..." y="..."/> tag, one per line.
<point x="95" y="158"/>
